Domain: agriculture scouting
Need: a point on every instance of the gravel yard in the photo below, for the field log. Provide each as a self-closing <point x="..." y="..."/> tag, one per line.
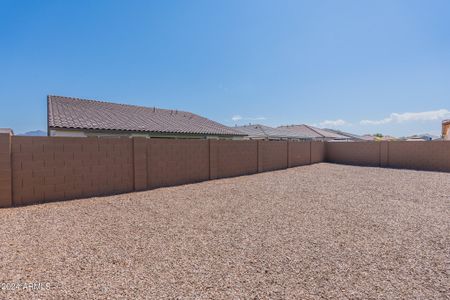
<point x="320" y="231"/>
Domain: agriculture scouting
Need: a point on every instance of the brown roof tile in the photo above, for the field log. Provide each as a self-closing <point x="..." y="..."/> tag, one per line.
<point x="266" y="132"/>
<point x="312" y="132"/>
<point x="66" y="112"/>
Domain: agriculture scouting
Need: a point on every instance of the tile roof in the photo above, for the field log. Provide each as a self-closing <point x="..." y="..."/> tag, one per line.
<point x="75" y="113"/>
<point x="262" y="131"/>
<point x="350" y="135"/>
<point x="312" y="132"/>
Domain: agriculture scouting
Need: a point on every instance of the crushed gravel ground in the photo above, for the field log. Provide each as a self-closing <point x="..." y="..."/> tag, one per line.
<point x="313" y="232"/>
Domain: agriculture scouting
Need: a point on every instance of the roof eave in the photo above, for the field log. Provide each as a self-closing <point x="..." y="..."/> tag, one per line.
<point x="146" y="131"/>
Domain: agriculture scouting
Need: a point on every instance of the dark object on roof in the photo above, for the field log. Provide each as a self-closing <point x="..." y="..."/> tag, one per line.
<point x="257" y="131"/>
<point x="74" y="113"/>
<point x="421" y="137"/>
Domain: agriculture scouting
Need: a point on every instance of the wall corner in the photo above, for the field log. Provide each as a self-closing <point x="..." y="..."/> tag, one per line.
<point x="6" y="199"/>
<point x="260" y="155"/>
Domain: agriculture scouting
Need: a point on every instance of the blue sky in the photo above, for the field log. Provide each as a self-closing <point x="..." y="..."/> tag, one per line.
<point x="361" y="66"/>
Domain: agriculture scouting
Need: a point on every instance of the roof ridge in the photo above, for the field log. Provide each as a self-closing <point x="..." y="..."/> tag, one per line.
<point x="120" y="104"/>
<point x="264" y="132"/>
<point x="250" y="125"/>
<point x="312" y="128"/>
<point x="71" y="112"/>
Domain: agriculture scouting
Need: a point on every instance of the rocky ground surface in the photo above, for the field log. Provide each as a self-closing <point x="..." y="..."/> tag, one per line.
<point x="313" y="232"/>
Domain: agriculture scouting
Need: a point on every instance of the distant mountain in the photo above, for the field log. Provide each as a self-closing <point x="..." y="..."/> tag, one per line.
<point x="35" y="133"/>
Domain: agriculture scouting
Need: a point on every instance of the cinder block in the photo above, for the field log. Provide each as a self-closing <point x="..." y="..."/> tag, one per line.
<point x="140" y="163"/>
<point x="62" y="187"/>
<point x="33" y="165"/>
<point x="82" y="155"/>
<point x="299" y="153"/>
<point x="232" y="158"/>
<point x="5" y="161"/>
<point x="63" y="156"/>
<point x="54" y="180"/>
<point x="32" y="181"/>
<point x="317" y="151"/>
<point x="174" y="162"/>
<point x="384" y="154"/>
<point x="44" y="173"/>
<point x="37" y="146"/>
<point x="23" y="195"/>
<point x="354" y="153"/>
<point x="22" y="156"/>
<point x="54" y="164"/>
<point x="53" y="145"/>
<point x="272" y="155"/>
<point x="72" y="145"/>
<point x="50" y="196"/>
<point x="213" y="159"/>
<point x="260" y="156"/>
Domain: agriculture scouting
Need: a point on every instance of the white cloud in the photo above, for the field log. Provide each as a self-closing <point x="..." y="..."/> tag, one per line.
<point x="409" y="116"/>
<point x="333" y="123"/>
<point x="241" y="118"/>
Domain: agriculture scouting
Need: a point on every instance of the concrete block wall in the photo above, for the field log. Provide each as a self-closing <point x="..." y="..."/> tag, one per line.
<point x="299" y="154"/>
<point x="5" y="168"/>
<point x="176" y="161"/>
<point x="384" y="154"/>
<point x="354" y="153"/>
<point x="428" y="156"/>
<point x="140" y="156"/>
<point x="272" y="155"/>
<point x="48" y="169"/>
<point x="43" y="169"/>
<point x="232" y="158"/>
<point x="317" y="152"/>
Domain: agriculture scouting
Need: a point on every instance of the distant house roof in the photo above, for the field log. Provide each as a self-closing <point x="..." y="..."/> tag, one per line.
<point x="369" y="137"/>
<point x="424" y="137"/>
<point x="75" y="113"/>
<point x="313" y="132"/>
<point x="258" y="131"/>
<point x="351" y="135"/>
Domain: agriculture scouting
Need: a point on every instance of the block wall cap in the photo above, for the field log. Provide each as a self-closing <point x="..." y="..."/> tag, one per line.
<point x="7" y="130"/>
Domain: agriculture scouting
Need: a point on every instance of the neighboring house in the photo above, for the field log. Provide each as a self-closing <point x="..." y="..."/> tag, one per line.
<point x="34" y="133"/>
<point x="421" y="137"/>
<point x="369" y="137"/>
<point x="314" y="133"/>
<point x="79" y="118"/>
<point x="416" y="139"/>
<point x="351" y="136"/>
<point x="262" y="132"/>
<point x="376" y="138"/>
<point x="389" y="138"/>
<point x="446" y="130"/>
